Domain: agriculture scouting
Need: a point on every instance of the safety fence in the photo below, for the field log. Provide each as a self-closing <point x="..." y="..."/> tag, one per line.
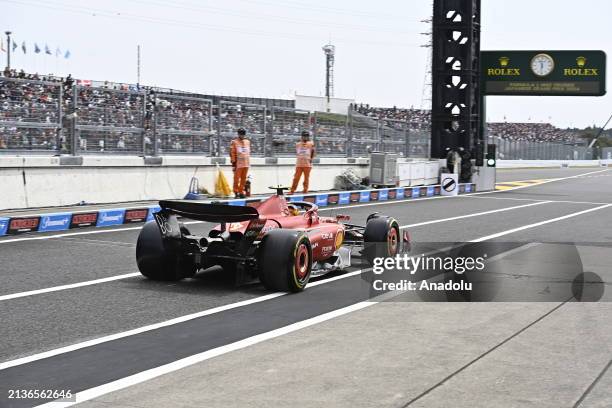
<point x="39" y="116"/>
<point x="529" y="150"/>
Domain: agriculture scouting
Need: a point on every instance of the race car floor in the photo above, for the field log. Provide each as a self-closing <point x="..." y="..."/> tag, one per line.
<point x="76" y="315"/>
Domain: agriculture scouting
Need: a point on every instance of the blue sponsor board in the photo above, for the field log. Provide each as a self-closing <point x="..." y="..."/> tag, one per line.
<point x="4" y="222"/>
<point x="237" y="202"/>
<point x="296" y="198"/>
<point x="54" y="222"/>
<point x="430" y="191"/>
<point x="364" y="196"/>
<point x="416" y="192"/>
<point x="468" y="188"/>
<point x="344" y="198"/>
<point x="399" y="193"/>
<point x="383" y="194"/>
<point x="110" y="217"/>
<point x="152" y="210"/>
<point x="321" y="200"/>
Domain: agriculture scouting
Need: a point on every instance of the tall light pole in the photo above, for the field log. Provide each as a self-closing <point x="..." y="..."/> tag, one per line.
<point x="8" y="49"/>
<point x="330" y="52"/>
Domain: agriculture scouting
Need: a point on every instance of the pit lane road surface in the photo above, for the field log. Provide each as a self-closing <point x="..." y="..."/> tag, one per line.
<point x="76" y="315"/>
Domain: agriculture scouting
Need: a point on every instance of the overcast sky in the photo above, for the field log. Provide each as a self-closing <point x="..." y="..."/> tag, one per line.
<point x="272" y="48"/>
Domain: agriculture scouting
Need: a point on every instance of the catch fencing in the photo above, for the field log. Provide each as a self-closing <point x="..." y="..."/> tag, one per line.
<point x="46" y="117"/>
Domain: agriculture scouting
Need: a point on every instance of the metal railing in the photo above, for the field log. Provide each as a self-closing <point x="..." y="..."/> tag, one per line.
<point x="45" y="117"/>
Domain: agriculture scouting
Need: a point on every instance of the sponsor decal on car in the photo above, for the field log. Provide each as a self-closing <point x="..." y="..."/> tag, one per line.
<point x="235" y="226"/>
<point x="4" y="222"/>
<point x="327" y="235"/>
<point x="135" y="215"/>
<point x="110" y="217"/>
<point x="55" y="222"/>
<point x="327" y="250"/>
<point x="23" y="224"/>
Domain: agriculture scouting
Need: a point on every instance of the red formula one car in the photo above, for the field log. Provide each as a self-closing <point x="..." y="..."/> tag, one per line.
<point x="282" y="243"/>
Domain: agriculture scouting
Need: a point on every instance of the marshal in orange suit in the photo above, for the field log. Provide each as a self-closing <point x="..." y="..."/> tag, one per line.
<point x="240" y="156"/>
<point x="305" y="151"/>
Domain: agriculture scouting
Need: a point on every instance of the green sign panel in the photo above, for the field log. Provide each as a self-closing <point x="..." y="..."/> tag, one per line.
<point x="555" y="73"/>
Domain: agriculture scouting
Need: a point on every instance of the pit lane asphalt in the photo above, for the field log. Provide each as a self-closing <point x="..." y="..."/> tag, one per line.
<point x="42" y="322"/>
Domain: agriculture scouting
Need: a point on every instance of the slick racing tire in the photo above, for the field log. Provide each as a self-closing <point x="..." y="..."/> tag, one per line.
<point x="381" y="238"/>
<point x="155" y="262"/>
<point x="285" y="260"/>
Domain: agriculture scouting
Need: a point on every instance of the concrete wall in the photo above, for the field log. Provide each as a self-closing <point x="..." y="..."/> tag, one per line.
<point x="39" y="181"/>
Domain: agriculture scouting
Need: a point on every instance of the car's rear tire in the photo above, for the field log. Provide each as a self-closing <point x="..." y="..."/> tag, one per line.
<point x="381" y="238"/>
<point x="155" y="262"/>
<point x="284" y="260"/>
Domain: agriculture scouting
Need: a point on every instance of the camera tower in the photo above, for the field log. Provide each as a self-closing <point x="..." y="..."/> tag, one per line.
<point x="330" y="52"/>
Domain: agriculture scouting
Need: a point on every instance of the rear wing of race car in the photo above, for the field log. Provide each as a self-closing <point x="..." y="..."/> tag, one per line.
<point x="169" y="226"/>
<point x="208" y="212"/>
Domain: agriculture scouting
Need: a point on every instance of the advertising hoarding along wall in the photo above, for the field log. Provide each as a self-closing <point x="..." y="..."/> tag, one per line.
<point x="540" y="73"/>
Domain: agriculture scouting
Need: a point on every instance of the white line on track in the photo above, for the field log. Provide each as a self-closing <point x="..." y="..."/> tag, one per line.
<point x="391" y="202"/>
<point x="68" y="286"/>
<point x="537" y="224"/>
<point x="197" y="358"/>
<point x="419" y="224"/>
<point x="533" y="199"/>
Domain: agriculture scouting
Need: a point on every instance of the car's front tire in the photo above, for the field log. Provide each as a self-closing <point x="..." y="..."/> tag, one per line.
<point x="381" y="238"/>
<point x="284" y="260"/>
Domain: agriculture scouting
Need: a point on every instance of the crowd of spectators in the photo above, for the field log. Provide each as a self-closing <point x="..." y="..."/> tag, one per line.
<point x="531" y="132"/>
<point x="420" y="119"/>
<point x="119" y="117"/>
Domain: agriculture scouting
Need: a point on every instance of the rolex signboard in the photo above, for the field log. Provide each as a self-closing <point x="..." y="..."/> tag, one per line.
<point x="556" y="73"/>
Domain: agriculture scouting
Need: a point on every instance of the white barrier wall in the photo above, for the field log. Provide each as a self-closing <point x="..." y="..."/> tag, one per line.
<point x="32" y="181"/>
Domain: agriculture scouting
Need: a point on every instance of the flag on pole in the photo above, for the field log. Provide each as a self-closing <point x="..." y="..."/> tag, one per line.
<point x="67" y="54"/>
<point x="23" y="47"/>
<point x="58" y="52"/>
<point x="36" y="48"/>
<point x="47" y="50"/>
<point x="2" y="45"/>
<point x="14" y="45"/>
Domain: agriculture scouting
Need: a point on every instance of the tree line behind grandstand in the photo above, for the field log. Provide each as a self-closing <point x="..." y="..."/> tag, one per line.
<point x="43" y="113"/>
